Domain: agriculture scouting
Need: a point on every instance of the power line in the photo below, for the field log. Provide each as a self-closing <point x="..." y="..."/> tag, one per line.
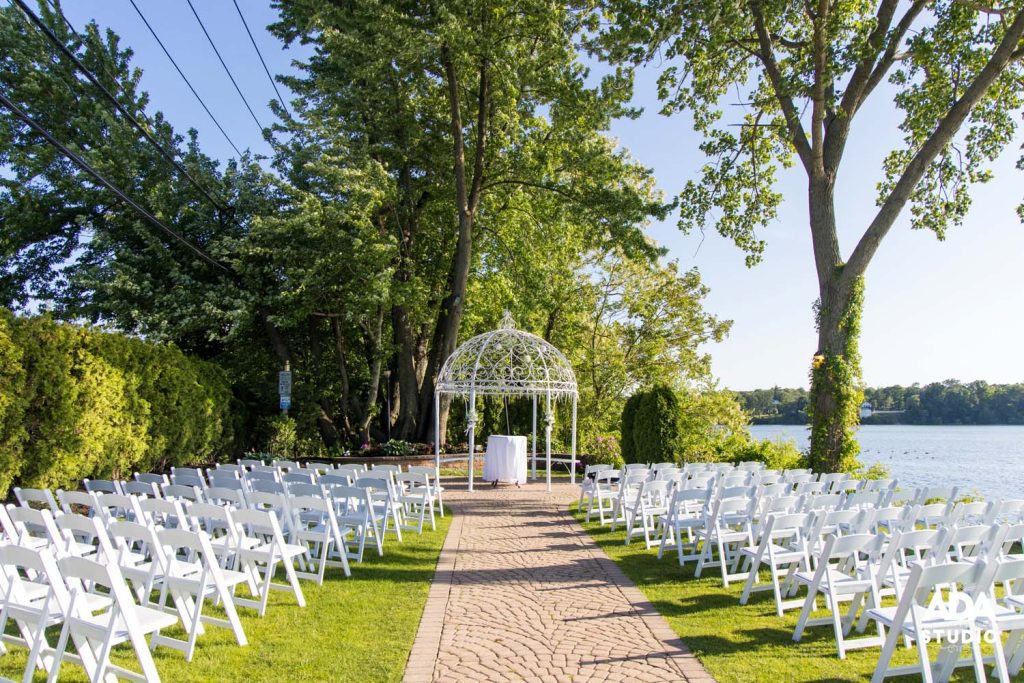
<point x="106" y="93"/>
<point x="223" y="63"/>
<point x="99" y="178"/>
<point x="185" y="78"/>
<point x="260" y="55"/>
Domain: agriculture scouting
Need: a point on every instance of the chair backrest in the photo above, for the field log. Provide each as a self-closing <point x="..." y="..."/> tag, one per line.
<point x="101" y="486"/>
<point x="262" y="475"/>
<point x="222" y="495"/>
<point x="274" y="503"/>
<point x="85" y="530"/>
<point x="397" y="469"/>
<point x="856" y="550"/>
<point x="334" y="478"/>
<point x="259" y="524"/>
<point x="779" y="504"/>
<point x="167" y="513"/>
<point x="666" y="473"/>
<point x="797" y="476"/>
<point x="944" y="493"/>
<point x="17" y="562"/>
<point x="224" y="478"/>
<point x="36" y="498"/>
<point x="82" y="500"/>
<point x="286" y="464"/>
<point x="31" y="523"/>
<point x="977" y="512"/>
<point x="823" y="501"/>
<point x="1009" y="511"/>
<point x="215" y="520"/>
<point x="305" y="489"/>
<point x="113" y="506"/>
<point x="188" y="494"/>
<point x="963" y="542"/>
<point x="298" y="477"/>
<point x="412" y="481"/>
<point x="774" y="490"/>
<point x="864" y="499"/>
<point x="737" y="479"/>
<point x="189" y="478"/>
<point x="267" y="486"/>
<point x="151" y="478"/>
<point x="249" y="463"/>
<point x="700" y="480"/>
<point x="736" y="492"/>
<point x="350" y="500"/>
<point x="606" y="478"/>
<point x="141" y="488"/>
<point x="903" y="548"/>
<point x="877" y="485"/>
<point x="587" y="471"/>
<point x="811" y="487"/>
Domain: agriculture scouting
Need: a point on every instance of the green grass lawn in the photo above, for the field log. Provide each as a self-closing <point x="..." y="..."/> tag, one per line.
<point x="740" y="643"/>
<point x="357" y="629"/>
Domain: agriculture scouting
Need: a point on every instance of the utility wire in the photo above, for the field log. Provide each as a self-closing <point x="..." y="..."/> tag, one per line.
<point x="107" y="94"/>
<point x="223" y="63"/>
<point x="99" y="178"/>
<point x="260" y="55"/>
<point x="185" y="78"/>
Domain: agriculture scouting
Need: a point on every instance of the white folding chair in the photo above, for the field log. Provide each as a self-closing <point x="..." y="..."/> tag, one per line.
<point x="729" y="528"/>
<point x="587" y="482"/>
<point x="913" y="619"/>
<point x="33" y="528"/>
<point x="416" y="500"/>
<point x="385" y="500"/>
<point x="783" y="549"/>
<point x="167" y="514"/>
<point x="686" y="512"/>
<point x="626" y="496"/>
<point x="354" y="509"/>
<point x="262" y="548"/>
<point x="33" y="604"/>
<point x="95" y="634"/>
<point x="436" y="490"/>
<point x="650" y="506"/>
<point x="605" y="493"/>
<point x="193" y="576"/>
<point x="315" y="528"/>
<point x="844" y="572"/>
<point x="183" y="493"/>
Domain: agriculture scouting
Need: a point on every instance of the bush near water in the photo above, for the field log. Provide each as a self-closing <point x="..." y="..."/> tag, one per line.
<point x="79" y="402"/>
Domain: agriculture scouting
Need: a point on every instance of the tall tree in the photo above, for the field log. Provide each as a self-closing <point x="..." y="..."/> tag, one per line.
<point x="472" y="107"/>
<point x="804" y="70"/>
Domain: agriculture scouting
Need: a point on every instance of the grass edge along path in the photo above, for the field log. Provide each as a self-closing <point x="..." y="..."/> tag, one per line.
<point x="739" y="643"/>
<point x="356" y="629"/>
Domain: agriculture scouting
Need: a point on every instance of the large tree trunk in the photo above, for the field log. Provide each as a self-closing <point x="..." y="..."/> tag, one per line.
<point x="835" y="371"/>
<point x="405" y="366"/>
<point x="467" y="198"/>
<point x="373" y="334"/>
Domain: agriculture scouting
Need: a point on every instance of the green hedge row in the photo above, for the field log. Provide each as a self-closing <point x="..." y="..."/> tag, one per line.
<point x="77" y="402"/>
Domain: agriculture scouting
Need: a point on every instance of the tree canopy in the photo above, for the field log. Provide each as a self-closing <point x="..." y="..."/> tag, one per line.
<point x="442" y="164"/>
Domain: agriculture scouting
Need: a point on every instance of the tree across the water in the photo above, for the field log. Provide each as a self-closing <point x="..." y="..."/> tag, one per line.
<point x="940" y="403"/>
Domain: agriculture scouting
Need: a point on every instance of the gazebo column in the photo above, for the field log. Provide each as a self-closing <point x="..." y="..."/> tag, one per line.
<point x="572" y="451"/>
<point x="471" y="430"/>
<point x="535" y="436"/>
<point x="549" y="422"/>
<point x="437" y="438"/>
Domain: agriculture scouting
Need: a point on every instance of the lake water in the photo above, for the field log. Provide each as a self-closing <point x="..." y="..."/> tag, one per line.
<point x="980" y="460"/>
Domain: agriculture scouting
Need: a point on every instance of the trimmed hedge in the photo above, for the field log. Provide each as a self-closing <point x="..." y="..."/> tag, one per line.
<point x="78" y="402"/>
<point x="651" y="426"/>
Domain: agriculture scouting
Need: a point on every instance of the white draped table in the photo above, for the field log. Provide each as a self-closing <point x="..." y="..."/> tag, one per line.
<point x="505" y="459"/>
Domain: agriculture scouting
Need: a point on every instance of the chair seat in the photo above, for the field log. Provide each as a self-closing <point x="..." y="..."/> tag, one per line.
<point x="930" y="621"/>
<point x="263" y="551"/>
<point x="840" y="582"/>
<point x="782" y="553"/>
<point x="149" y="620"/>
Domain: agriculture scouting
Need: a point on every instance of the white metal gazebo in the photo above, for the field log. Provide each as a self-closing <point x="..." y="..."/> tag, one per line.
<point x="508" y="362"/>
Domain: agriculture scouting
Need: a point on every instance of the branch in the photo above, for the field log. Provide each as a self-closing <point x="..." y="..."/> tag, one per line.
<point x="820" y="57"/>
<point x="940" y="137"/>
<point x="767" y="56"/>
<point x="483" y="92"/>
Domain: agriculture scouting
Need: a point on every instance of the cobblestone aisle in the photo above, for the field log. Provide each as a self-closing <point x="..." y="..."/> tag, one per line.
<point x="523" y="594"/>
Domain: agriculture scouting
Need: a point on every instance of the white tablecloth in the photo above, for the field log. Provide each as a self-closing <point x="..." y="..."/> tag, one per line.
<point x="505" y="459"/>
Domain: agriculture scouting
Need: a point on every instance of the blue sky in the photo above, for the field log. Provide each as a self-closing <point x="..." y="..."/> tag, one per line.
<point x="933" y="310"/>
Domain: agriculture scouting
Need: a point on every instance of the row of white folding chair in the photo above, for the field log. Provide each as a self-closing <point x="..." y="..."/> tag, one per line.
<point x="174" y="558"/>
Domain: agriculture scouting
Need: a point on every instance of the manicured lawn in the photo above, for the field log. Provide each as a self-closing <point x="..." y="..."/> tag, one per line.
<point x="357" y="629"/>
<point x="739" y="643"/>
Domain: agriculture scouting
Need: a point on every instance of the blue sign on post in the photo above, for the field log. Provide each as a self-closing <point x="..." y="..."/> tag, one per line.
<point x="286" y="402"/>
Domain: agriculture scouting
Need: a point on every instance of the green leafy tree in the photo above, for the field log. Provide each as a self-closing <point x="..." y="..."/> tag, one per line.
<point x="803" y="72"/>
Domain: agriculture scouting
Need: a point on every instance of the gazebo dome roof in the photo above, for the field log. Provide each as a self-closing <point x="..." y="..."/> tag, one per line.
<point x="507" y="362"/>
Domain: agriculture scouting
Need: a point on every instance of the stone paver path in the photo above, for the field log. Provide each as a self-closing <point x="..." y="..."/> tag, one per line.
<point x="523" y="594"/>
